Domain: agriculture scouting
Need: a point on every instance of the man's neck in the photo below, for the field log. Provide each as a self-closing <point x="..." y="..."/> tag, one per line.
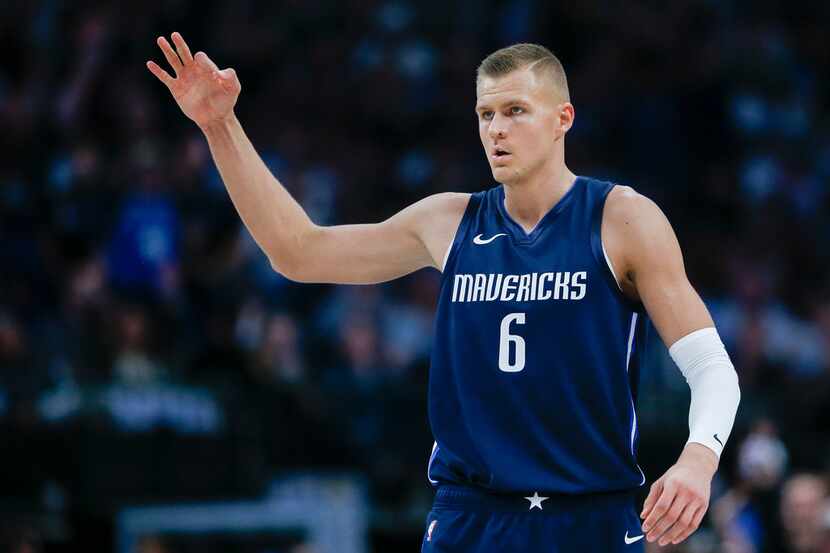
<point x="528" y="201"/>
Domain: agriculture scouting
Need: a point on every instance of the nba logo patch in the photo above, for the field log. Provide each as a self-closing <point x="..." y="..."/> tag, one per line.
<point x="431" y="528"/>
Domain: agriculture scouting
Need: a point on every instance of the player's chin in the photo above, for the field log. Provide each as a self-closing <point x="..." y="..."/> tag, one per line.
<point x="504" y="174"/>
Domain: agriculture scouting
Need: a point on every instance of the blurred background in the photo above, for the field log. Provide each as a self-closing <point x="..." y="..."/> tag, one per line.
<point x="162" y="390"/>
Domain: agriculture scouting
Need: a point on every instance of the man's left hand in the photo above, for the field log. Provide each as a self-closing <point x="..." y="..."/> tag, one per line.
<point x="677" y="501"/>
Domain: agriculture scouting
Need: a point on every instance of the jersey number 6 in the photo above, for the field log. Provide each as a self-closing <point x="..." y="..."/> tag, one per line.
<point x="505" y="339"/>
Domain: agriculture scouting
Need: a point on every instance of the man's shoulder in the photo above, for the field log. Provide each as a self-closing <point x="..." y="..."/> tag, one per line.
<point x="452" y="200"/>
<point x="434" y="221"/>
<point x="634" y="228"/>
<point x="628" y="209"/>
<point x="448" y="204"/>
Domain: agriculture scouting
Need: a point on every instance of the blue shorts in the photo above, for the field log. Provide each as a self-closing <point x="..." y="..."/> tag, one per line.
<point x="465" y="520"/>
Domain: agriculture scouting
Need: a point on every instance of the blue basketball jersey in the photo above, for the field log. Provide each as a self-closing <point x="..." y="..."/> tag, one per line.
<point x="535" y="362"/>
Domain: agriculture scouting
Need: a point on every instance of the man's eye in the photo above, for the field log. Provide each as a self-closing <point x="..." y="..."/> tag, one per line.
<point x="515" y="110"/>
<point x="487" y="115"/>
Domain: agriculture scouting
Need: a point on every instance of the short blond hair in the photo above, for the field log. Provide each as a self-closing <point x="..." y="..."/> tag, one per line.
<point x="518" y="56"/>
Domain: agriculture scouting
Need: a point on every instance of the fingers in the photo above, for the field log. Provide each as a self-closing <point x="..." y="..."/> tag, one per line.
<point x="203" y="60"/>
<point x="172" y="57"/>
<point x="667" y="520"/>
<point x="162" y="75"/>
<point x="181" y="48"/>
<point x="661" y="508"/>
<point x="653" y="494"/>
<point x="682" y="526"/>
<point x="696" y="519"/>
<point x="227" y="73"/>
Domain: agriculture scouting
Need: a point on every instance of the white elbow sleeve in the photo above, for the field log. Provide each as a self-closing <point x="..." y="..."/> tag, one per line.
<point x="713" y="381"/>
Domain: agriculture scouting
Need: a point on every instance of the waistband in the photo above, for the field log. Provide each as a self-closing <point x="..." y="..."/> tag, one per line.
<point x="454" y="497"/>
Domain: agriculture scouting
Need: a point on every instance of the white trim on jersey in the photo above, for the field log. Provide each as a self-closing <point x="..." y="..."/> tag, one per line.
<point x="447" y="255"/>
<point x="611" y="268"/>
<point x="431" y="459"/>
<point x="627" y="362"/>
<point x="449" y="248"/>
<point x="630" y="339"/>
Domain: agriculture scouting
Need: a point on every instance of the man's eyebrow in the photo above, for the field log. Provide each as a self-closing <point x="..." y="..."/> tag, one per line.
<point x="507" y="102"/>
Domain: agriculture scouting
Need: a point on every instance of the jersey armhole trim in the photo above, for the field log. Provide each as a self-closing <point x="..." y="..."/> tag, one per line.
<point x="459" y="233"/>
<point x="610" y="265"/>
<point x="601" y="257"/>
<point x="449" y="249"/>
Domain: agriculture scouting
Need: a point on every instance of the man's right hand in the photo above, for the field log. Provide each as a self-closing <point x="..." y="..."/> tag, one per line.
<point x="204" y="93"/>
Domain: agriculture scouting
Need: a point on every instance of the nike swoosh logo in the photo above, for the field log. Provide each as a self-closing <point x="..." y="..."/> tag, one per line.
<point x="629" y="541"/>
<point x="718" y="439"/>
<point x="480" y="241"/>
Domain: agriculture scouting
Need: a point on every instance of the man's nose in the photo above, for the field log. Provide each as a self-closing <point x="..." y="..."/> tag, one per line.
<point x="498" y="126"/>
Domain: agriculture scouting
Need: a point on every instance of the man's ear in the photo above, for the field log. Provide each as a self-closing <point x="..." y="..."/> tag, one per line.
<point x="565" y="118"/>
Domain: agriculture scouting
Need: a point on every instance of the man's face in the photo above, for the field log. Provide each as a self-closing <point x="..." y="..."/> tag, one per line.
<point x="520" y="118"/>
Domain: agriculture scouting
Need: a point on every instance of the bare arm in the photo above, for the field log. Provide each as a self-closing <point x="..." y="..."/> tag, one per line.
<point x="647" y="259"/>
<point x="348" y="254"/>
<point x="275" y="220"/>
<point x="301" y="250"/>
<point x="416" y="237"/>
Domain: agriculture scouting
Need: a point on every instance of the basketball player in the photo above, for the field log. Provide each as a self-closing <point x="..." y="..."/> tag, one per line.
<point x="547" y="282"/>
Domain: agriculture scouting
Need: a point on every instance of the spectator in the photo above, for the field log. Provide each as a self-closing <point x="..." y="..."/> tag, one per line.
<point x="803" y="511"/>
<point x="135" y="364"/>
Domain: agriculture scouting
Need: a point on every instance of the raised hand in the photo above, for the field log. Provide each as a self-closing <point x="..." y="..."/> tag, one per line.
<point x="204" y="93"/>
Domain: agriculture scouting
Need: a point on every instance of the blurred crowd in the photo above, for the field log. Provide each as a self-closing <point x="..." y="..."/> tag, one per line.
<point x="125" y="269"/>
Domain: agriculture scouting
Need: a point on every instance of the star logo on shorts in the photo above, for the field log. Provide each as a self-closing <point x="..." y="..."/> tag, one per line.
<point x="536" y="501"/>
